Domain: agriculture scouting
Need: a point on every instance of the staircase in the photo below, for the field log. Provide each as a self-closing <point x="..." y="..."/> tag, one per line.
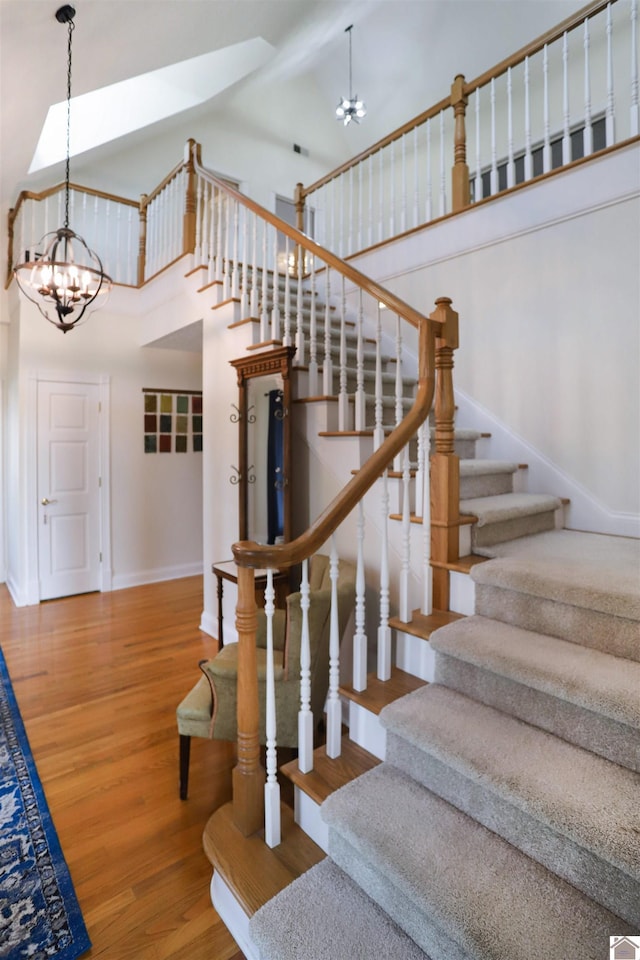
<point x="504" y="818"/>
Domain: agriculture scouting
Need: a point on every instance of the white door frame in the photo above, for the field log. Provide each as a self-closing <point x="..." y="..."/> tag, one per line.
<point x="103" y="381"/>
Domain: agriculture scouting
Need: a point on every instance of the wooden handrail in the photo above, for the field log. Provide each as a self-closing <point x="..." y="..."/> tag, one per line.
<point x="281" y="556"/>
<point x="590" y="10"/>
<point x="370" y="286"/>
<point x="379" y="145"/>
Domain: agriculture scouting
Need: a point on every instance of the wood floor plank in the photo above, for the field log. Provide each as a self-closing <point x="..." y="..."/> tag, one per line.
<point x="98" y="678"/>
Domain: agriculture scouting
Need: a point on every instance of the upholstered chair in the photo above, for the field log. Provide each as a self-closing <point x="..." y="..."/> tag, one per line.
<point x="210" y="709"/>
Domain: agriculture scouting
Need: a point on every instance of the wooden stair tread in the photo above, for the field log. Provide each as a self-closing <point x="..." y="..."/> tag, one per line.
<point x="329" y="775"/>
<point x="379" y="693"/>
<point x="252" y="871"/>
<point x="461" y="565"/>
<point x="423" y="624"/>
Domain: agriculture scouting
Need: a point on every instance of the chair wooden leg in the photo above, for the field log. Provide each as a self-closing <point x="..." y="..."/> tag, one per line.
<point x="185" y="751"/>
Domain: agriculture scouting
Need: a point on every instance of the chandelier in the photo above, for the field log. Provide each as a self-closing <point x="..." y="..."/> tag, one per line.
<point x="66" y="278"/>
<point x="353" y="108"/>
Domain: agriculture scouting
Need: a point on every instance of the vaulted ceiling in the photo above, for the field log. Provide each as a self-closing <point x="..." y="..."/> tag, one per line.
<point x="405" y="55"/>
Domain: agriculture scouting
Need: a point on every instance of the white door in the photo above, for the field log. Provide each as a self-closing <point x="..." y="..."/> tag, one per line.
<point x="68" y="489"/>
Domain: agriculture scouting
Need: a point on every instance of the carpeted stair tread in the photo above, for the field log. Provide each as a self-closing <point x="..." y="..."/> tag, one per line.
<point x="583" y="797"/>
<point x="444" y="877"/>
<point x="508" y="506"/>
<point x="613" y="590"/>
<point x="324" y="915"/>
<point x="470" y="468"/>
<point x="590" y="679"/>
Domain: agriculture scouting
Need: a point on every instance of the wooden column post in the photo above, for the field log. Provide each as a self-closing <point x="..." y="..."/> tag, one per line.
<point x="460" y="193"/>
<point x="189" y="222"/>
<point x="142" y="239"/>
<point x="445" y="464"/>
<point x="248" y="776"/>
<point x="299" y="201"/>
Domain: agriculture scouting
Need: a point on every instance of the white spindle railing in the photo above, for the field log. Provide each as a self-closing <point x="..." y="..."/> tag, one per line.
<point x="272" y="787"/>
<point x="384" y="631"/>
<point x="305" y="716"/>
<point x="334" y="705"/>
<point x="360" y="644"/>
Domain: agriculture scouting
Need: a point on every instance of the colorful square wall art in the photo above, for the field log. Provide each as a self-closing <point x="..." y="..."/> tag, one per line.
<point x="172" y="420"/>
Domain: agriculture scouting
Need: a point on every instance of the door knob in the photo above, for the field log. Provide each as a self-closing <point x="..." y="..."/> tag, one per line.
<point x="45" y="501"/>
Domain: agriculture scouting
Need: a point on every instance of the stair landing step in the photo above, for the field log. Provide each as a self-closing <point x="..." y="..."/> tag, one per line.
<point x="252" y="871"/>
<point x="379" y="693"/>
<point x="328" y="775"/>
<point x="422" y="624"/>
<point x="461" y="565"/>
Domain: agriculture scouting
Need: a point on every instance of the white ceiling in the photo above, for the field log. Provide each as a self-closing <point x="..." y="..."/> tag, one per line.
<point x="405" y="55"/>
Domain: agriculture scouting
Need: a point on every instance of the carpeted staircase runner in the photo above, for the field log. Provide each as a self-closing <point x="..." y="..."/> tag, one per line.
<point x="505" y="819"/>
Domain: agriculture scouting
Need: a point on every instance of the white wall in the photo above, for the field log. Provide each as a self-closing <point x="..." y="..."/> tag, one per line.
<point x="547" y="285"/>
<point x="156" y="499"/>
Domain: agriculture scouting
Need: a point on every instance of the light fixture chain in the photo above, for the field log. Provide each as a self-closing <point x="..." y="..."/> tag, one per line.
<point x="71" y="26"/>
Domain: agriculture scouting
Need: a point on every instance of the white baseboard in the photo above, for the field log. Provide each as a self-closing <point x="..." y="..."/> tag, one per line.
<point x="233" y="916"/>
<point x="157" y="575"/>
<point x="16" y="594"/>
<point x="209" y="624"/>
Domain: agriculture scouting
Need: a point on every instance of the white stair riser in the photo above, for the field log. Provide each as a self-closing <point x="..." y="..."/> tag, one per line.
<point x="366" y="730"/>
<point x="414" y="655"/>
<point x="307" y="816"/>
<point x="233" y="916"/>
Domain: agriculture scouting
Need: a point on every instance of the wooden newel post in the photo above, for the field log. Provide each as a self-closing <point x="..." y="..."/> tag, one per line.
<point x="248" y="775"/>
<point x="445" y="464"/>
<point x="460" y="191"/>
<point x="299" y="201"/>
<point x="142" y="240"/>
<point x="189" y="222"/>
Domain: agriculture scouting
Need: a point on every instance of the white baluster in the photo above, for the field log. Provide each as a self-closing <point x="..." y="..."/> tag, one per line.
<point x="392" y="189"/>
<point x="275" y="292"/>
<point x="588" y="129"/>
<point x="634" y="117"/>
<point x="494" y="153"/>
<point x="200" y="213"/>
<point x="378" y="430"/>
<point x="313" y="335"/>
<point x="300" y="349"/>
<point x="477" y="192"/>
<point x="370" y="200"/>
<point x="255" y="293"/>
<point x="427" y="574"/>
<point x="360" y="637"/>
<point x="416" y="180"/>
<point x="381" y="196"/>
<point x="546" y="148"/>
<point x="403" y="185"/>
<point x="332" y="244"/>
<point x="429" y="197"/>
<point x="264" y="306"/>
<point x="244" y="279"/>
<point x="272" y="787"/>
<point x="130" y="249"/>
<point x="350" y="217"/>
<point x="219" y="254"/>
<point x="610" y="135"/>
<point x="443" y="172"/>
<point x="384" y="631"/>
<point x="360" y="203"/>
<point x="360" y="399"/>
<point x="397" y="463"/>
<point x="227" y="247"/>
<point x="342" y="237"/>
<point x="235" y="265"/>
<point x="528" y="158"/>
<point x="286" y="340"/>
<point x="327" y="363"/>
<point x="511" y="167"/>
<point x="334" y="708"/>
<point x="566" y="131"/>
<point x="405" y="570"/>
<point x="305" y="716"/>
<point x="343" y="396"/>
<point x="418" y="484"/>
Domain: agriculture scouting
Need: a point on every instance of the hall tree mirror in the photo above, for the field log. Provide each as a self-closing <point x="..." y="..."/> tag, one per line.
<point x="263" y="473"/>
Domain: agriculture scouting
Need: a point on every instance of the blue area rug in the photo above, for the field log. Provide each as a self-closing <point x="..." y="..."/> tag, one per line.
<point x="40" y="918"/>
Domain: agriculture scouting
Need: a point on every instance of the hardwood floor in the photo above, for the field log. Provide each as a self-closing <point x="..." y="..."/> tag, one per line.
<point x="98" y="678"/>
